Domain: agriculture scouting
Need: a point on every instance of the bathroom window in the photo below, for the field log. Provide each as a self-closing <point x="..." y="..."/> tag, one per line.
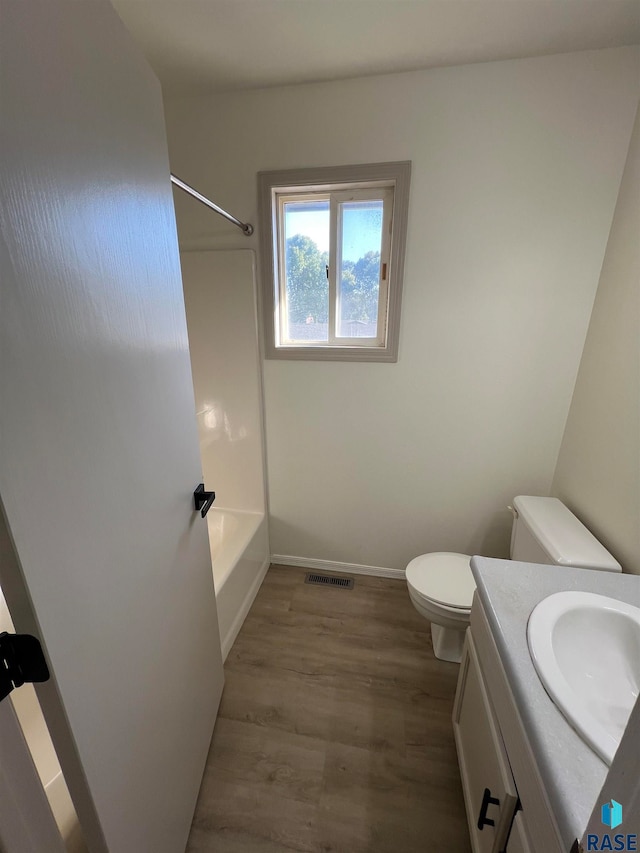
<point x="332" y="242"/>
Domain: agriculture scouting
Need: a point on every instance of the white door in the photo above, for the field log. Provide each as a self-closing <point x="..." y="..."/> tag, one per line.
<point x="99" y="455"/>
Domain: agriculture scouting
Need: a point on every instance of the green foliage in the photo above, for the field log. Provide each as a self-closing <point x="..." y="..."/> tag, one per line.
<point x="360" y="282"/>
<point x="307" y="284"/>
<point x="308" y="287"/>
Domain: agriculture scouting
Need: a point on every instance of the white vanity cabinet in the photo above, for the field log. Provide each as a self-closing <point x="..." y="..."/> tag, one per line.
<point x="508" y="809"/>
<point x="490" y="794"/>
<point x="511" y="739"/>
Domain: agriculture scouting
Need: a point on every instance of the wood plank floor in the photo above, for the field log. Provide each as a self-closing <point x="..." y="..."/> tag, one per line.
<point x="334" y="733"/>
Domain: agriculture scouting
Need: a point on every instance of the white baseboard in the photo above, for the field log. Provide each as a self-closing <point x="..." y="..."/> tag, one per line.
<point x="344" y="568"/>
<point x="241" y="615"/>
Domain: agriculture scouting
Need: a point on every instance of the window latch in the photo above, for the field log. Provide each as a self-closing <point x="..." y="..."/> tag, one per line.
<point x="326" y="266"/>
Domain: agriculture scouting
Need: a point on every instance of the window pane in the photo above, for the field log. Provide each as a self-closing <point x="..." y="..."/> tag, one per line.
<point x="359" y="273"/>
<point x="306" y="234"/>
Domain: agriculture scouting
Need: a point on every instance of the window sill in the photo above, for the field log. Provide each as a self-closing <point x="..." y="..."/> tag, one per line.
<point x="320" y="353"/>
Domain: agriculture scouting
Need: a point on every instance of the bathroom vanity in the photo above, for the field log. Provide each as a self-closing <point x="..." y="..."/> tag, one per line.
<point x="530" y="782"/>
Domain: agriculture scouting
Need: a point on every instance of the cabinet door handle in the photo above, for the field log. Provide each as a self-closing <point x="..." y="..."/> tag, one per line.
<point x="487" y="800"/>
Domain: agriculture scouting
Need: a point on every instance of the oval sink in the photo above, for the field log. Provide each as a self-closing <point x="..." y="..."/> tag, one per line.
<point x="586" y="651"/>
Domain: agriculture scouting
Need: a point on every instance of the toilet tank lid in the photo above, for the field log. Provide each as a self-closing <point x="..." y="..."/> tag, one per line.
<point x="563" y="536"/>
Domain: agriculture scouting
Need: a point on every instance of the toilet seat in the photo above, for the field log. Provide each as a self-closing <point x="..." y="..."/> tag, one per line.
<point x="443" y="578"/>
<point x="441" y="588"/>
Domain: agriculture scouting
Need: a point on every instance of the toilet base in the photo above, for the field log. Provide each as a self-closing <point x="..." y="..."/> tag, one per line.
<point x="447" y="643"/>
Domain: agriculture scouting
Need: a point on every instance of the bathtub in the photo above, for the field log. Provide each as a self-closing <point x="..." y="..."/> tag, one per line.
<point x="240" y="559"/>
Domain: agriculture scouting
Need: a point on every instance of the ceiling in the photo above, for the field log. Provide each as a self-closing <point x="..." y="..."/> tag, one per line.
<point x="220" y="45"/>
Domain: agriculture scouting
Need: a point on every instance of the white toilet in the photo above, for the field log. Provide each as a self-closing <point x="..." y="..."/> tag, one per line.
<point x="441" y="585"/>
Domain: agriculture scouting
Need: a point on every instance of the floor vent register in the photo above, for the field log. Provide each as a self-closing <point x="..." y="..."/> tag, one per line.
<point x="329" y="580"/>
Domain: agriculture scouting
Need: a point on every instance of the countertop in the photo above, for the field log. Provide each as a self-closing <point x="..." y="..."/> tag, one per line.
<point x="571" y="772"/>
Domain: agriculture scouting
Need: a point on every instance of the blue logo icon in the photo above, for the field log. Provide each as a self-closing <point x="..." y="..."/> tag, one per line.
<point x="612" y="814"/>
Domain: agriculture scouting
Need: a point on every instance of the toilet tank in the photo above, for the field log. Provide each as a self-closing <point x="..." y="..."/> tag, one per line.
<point x="546" y="531"/>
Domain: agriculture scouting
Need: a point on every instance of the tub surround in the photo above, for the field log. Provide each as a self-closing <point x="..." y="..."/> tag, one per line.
<point x="220" y="300"/>
<point x="571" y="774"/>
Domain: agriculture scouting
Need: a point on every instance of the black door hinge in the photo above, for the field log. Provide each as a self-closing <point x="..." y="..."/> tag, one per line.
<point x="21" y="660"/>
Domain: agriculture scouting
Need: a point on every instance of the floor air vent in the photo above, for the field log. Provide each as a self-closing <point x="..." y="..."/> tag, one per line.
<point x="329" y="580"/>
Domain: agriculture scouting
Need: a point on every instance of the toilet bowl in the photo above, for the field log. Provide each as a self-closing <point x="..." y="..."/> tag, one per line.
<point x="544" y="531"/>
<point x="441" y="588"/>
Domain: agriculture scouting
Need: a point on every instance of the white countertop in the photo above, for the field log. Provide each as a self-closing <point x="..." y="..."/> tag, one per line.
<point x="571" y="772"/>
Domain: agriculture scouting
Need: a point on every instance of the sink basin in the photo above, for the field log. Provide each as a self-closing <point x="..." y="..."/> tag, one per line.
<point x="586" y="651"/>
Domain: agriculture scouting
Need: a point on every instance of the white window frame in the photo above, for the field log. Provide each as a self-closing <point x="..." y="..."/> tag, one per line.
<point x="337" y="184"/>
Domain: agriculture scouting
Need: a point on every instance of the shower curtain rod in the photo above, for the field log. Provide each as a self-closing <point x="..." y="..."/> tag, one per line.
<point x="245" y="226"/>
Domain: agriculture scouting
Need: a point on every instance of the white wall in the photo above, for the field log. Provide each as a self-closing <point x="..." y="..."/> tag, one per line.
<point x="598" y="471"/>
<point x="219" y="291"/>
<point x="516" y="167"/>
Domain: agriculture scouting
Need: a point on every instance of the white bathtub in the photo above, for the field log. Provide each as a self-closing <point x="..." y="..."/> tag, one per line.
<point x="240" y="558"/>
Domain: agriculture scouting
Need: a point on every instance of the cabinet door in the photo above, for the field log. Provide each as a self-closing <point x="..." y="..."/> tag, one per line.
<point x="489" y="790"/>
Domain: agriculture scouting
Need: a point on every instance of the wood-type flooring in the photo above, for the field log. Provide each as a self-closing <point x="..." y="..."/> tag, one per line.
<point x="334" y="733"/>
